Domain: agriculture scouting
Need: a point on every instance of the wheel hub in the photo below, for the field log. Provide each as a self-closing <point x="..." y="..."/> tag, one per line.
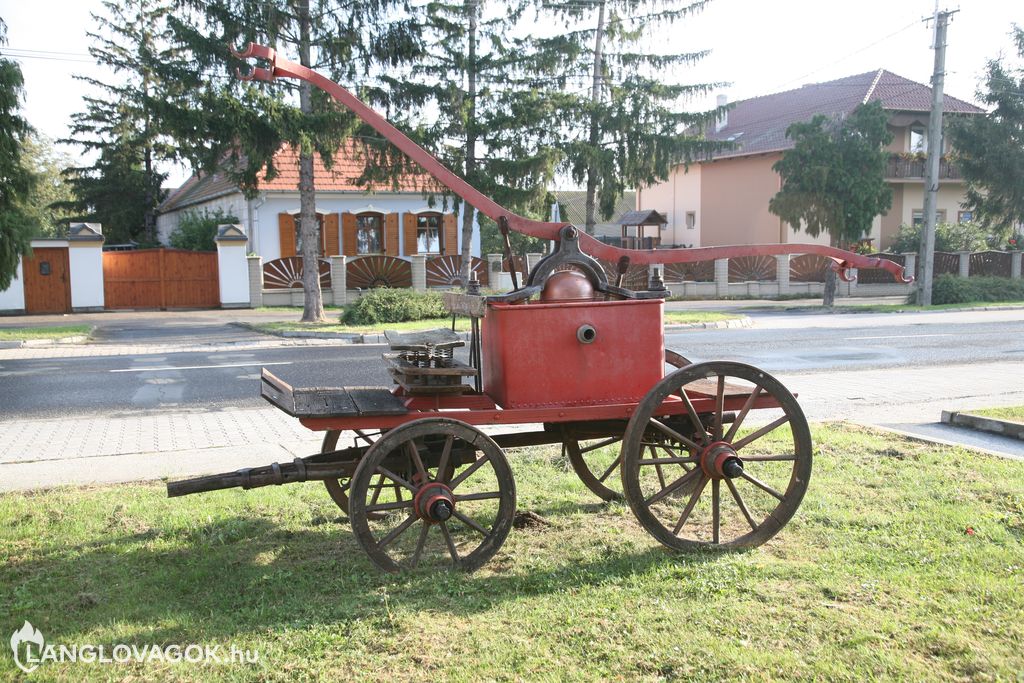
<point x="434" y="503"/>
<point x="719" y="461"/>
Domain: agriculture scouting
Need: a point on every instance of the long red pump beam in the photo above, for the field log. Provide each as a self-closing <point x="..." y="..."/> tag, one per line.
<point x="279" y="66"/>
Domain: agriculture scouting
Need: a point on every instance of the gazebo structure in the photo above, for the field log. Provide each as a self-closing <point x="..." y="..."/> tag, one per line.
<point x="641" y="229"/>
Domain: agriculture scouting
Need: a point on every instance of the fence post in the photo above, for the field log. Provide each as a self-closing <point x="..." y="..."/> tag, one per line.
<point x="910" y="263"/>
<point x="255" y="281"/>
<point x="419" y="272"/>
<point x="232" y="266"/>
<point x="85" y="260"/>
<point x="531" y="261"/>
<point x="965" y="263"/>
<point x="722" y="277"/>
<point x="782" y="272"/>
<point x="1015" y="257"/>
<point x="339" y="280"/>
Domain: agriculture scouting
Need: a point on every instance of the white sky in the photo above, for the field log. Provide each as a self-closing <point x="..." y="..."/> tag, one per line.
<point x="759" y="46"/>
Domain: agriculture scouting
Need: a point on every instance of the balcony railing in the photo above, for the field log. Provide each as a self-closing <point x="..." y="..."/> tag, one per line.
<point x="900" y="167"/>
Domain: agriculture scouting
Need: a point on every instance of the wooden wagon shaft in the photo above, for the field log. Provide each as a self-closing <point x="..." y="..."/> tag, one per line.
<point x="842" y="261"/>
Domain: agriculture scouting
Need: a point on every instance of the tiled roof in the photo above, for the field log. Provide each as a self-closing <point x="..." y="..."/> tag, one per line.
<point x="574" y="210"/>
<point x="348" y="166"/>
<point x="759" y="124"/>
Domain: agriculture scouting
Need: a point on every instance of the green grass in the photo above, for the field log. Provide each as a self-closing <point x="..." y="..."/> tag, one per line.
<point x="900" y="308"/>
<point x="1010" y="413"/>
<point x="292" y="309"/>
<point x="60" y="332"/>
<point x="876" y="577"/>
<point x="680" y="317"/>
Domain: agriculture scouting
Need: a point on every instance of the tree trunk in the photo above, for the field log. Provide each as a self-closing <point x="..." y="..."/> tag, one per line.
<point x="313" y="307"/>
<point x="595" y="133"/>
<point x="472" y="7"/>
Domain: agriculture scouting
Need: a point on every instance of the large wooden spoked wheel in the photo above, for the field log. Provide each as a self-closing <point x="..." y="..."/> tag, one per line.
<point x="596" y="461"/>
<point x="337" y="489"/>
<point x="692" y="482"/>
<point x="457" y="504"/>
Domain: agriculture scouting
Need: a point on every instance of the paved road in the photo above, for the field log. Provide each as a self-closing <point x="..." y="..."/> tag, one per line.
<point x="229" y="377"/>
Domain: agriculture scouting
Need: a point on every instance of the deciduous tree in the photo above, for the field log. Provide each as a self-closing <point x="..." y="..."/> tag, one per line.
<point x="833" y="179"/>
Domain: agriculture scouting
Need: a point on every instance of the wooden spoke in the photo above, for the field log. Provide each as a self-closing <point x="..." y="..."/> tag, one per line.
<point x="671" y="488"/>
<point x="468" y="472"/>
<point x="668" y="431"/>
<point x="694" y="418"/>
<point x="692" y="503"/>
<point x="377" y="489"/>
<point x="385" y="472"/>
<point x="716" y="510"/>
<point x="397" y="531"/>
<point x="414" y="454"/>
<point x="668" y="461"/>
<point x="743" y="413"/>
<point x="446" y="453"/>
<point x="451" y="544"/>
<point x="719" y="407"/>
<point x="739" y="502"/>
<point x="768" y="458"/>
<point x="479" y="496"/>
<point x="749" y="438"/>
<point x="657" y="467"/>
<point x="419" y="545"/>
<point x="380" y="507"/>
<point x="601" y="444"/>
<point x="470" y="522"/>
<point x="761" y="485"/>
<point x="611" y="468"/>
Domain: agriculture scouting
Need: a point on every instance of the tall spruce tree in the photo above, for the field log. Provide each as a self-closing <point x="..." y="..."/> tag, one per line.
<point x="121" y="189"/>
<point x="625" y="126"/>
<point x="16" y="181"/>
<point x="220" y="122"/>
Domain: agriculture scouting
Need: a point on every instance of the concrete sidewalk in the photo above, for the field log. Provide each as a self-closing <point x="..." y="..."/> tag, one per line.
<point x="46" y="453"/>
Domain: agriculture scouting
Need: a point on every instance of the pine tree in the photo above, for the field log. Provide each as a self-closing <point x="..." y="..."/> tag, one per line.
<point x="121" y="189"/>
<point x="16" y="181"/>
<point x="221" y="122"/>
<point x="623" y="125"/>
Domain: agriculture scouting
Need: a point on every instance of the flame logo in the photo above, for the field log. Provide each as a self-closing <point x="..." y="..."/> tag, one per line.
<point x="29" y="635"/>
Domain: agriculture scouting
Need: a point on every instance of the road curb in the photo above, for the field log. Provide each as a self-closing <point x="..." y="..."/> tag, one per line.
<point x="991" y="425"/>
<point x="55" y="341"/>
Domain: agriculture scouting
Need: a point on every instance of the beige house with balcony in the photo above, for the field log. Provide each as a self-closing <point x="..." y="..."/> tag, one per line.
<point x="724" y="199"/>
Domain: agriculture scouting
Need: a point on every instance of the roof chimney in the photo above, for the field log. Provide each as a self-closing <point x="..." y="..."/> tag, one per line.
<point x="723" y="118"/>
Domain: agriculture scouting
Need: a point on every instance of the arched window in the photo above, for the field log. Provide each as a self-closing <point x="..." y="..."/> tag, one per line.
<point x="370" y="233"/>
<point x="428" y="233"/>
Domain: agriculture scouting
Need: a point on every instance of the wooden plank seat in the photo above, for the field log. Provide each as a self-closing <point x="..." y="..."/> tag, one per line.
<point x="329" y="401"/>
<point x="423" y="340"/>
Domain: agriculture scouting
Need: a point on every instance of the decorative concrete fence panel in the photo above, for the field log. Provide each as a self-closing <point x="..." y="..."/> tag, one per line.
<point x="446" y="271"/>
<point x="808" y="268"/>
<point x="700" y="271"/>
<point x="752" y="269"/>
<point x="367" y="272"/>
<point x="286" y="273"/>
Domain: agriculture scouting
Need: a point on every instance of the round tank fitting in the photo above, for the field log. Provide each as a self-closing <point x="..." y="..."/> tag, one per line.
<point x="586" y="334"/>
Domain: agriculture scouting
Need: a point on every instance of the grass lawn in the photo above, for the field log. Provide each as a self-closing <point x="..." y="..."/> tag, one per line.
<point x="905" y="561"/>
<point x="1010" y="413"/>
<point x="901" y="308"/>
<point x="671" y="317"/>
<point x="61" y="332"/>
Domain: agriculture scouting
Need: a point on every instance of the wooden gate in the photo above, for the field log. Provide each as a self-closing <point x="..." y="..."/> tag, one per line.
<point x="47" y="281"/>
<point x="160" y="278"/>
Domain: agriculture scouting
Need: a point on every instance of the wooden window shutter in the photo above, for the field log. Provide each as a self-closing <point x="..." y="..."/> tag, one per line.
<point x="348" y="234"/>
<point x="286" y="229"/>
<point x="409" y="233"/>
<point x="391" y="234"/>
<point x="451" y="235"/>
<point x="331" y="247"/>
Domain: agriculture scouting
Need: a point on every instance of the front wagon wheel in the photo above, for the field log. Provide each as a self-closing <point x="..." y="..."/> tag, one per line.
<point x="717" y="455"/>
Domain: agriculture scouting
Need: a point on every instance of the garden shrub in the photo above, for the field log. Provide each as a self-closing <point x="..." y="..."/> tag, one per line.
<point x="948" y="237"/>
<point x="196" y="231"/>
<point x="950" y="289"/>
<point x="394" y="306"/>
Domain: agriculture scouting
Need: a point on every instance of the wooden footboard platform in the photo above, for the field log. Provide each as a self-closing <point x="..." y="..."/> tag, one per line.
<point x="329" y="401"/>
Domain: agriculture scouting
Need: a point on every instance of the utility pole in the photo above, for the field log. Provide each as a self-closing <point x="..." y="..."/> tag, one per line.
<point x="926" y="255"/>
